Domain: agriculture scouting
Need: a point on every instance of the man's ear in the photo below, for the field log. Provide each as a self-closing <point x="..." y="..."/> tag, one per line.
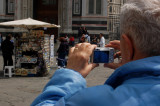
<point x="129" y="47"/>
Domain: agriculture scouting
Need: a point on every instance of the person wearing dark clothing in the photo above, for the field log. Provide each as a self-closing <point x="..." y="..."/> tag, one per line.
<point x="7" y="51"/>
<point x="84" y="30"/>
<point x="1" y="40"/>
<point x="80" y="32"/>
<point x="62" y="52"/>
<point x="94" y="40"/>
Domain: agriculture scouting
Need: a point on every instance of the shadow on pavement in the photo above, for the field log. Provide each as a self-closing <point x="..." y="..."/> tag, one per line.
<point x="49" y="74"/>
<point x="2" y="75"/>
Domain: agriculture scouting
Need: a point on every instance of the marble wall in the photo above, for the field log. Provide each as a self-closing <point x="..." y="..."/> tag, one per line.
<point x="68" y="16"/>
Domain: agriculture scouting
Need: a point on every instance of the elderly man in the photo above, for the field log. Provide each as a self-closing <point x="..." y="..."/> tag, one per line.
<point x="135" y="82"/>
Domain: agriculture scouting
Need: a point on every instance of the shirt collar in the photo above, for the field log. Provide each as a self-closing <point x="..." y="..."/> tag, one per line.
<point x="147" y="66"/>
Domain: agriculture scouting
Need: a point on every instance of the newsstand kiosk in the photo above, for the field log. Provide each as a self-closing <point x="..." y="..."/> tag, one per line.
<point x="32" y="54"/>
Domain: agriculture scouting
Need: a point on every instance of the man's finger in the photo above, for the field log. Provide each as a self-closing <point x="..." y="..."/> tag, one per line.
<point x="117" y="47"/>
<point x="91" y="48"/>
<point x="112" y="65"/>
<point x="71" y="50"/>
<point x="115" y="42"/>
<point x="77" y="45"/>
<point x="117" y="54"/>
<point x="93" y="65"/>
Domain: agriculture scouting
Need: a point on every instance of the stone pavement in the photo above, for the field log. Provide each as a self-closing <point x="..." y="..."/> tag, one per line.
<point x="21" y="91"/>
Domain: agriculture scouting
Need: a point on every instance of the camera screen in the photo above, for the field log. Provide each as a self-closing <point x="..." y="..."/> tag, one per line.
<point x="101" y="57"/>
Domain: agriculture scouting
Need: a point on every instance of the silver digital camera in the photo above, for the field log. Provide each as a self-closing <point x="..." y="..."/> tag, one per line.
<point x="103" y="55"/>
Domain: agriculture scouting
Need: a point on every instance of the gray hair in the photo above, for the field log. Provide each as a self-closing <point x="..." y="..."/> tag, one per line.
<point x="140" y="20"/>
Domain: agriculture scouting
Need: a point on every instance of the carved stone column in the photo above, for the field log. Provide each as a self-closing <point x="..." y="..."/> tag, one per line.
<point x="65" y="7"/>
<point x="18" y="10"/>
<point x="60" y="15"/>
<point x="30" y="8"/>
<point x="23" y="9"/>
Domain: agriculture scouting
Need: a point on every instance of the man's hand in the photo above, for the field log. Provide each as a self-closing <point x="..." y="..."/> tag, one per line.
<point x="116" y="45"/>
<point x="79" y="56"/>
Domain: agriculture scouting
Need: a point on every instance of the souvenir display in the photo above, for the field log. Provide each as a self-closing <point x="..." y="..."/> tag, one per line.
<point x="17" y="71"/>
<point x="32" y="54"/>
<point x="46" y="51"/>
<point x="52" y="50"/>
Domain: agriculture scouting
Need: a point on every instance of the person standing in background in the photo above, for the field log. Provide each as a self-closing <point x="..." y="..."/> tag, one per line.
<point x="80" y="32"/>
<point x="82" y="39"/>
<point x="84" y="30"/>
<point x="7" y="51"/>
<point x="1" y="40"/>
<point x="94" y="40"/>
<point x="102" y="40"/>
<point x="66" y="37"/>
<point x="88" y="38"/>
<point x="62" y="52"/>
<point x="12" y="38"/>
<point x="71" y="41"/>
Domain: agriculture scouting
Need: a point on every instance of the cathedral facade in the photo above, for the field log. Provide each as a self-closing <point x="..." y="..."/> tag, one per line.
<point x="114" y="7"/>
<point x="69" y="14"/>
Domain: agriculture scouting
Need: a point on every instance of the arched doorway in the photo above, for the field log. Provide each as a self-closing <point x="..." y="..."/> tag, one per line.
<point x="47" y="11"/>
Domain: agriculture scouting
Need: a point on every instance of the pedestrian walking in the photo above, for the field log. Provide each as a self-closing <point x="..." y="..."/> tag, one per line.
<point x="62" y="52"/>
